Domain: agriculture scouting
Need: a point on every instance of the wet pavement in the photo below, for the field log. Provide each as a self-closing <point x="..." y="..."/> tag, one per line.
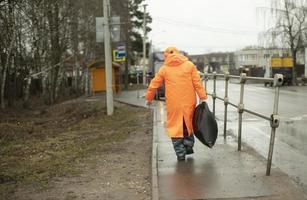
<point x="290" y="149"/>
<point x="218" y="173"/>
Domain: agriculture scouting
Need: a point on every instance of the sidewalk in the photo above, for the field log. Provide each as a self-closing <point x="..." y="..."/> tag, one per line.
<point x="134" y="98"/>
<point x="218" y="173"/>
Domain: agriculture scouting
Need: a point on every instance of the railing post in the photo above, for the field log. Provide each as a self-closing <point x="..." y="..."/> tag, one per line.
<point x="214" y="92"/>
<point x="278" y="79"/>
<point x="206" y="78"/>
<point x="203" y="81"/>
<point x="241" y="108"/>
<point x="226" y="100"/>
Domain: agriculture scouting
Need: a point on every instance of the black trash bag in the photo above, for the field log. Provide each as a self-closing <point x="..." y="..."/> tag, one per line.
<point x="205" y="125"/>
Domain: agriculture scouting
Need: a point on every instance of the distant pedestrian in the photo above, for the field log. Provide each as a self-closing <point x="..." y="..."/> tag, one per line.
<point x="182" y="82"/>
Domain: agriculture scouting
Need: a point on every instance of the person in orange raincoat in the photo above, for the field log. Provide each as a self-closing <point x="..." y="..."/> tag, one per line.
<point x="182" y="82"/>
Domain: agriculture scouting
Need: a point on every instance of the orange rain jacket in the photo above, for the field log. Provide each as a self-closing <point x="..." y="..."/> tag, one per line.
<point x="181" y="81"/>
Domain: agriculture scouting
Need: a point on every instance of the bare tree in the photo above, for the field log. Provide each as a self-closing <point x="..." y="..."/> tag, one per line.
<point x="290" y="24"/>
<point x="8" y="42"/>
<point x="39" y="37"/>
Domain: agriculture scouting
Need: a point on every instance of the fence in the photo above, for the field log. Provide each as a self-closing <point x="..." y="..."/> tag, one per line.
<point x="274" y="119"/>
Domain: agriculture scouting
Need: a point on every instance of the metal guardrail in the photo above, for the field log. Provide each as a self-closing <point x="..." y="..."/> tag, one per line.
<point x="274" y="119"/>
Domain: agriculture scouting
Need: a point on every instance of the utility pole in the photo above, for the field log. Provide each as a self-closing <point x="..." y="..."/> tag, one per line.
<point x="126" y="77"/>
<point x="144" y="45"/>
<point x="108" y="57"/>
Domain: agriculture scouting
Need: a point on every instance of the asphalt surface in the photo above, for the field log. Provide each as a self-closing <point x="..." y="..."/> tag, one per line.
<point x="290" y="149"/>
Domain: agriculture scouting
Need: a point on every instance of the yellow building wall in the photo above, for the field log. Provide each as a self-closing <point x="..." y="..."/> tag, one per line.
<point x="99" y="79"/>
<point x="288" y="62"/>
<point x="276" y="62"/>
<point x="282" y="62"/>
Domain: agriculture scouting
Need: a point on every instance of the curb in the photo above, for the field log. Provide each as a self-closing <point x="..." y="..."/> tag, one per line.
<point x="154" y="164"/>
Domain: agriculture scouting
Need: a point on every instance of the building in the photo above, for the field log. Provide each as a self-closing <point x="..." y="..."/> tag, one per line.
<point x="254" y="61"/>
<point x="258" y="57"/>
<point x="219" y="62"/>
<point x="98" y="77"/>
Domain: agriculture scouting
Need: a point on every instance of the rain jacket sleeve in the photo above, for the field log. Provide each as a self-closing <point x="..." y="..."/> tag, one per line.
<point x="197" y="85"/>
<point x="154" y="84"/>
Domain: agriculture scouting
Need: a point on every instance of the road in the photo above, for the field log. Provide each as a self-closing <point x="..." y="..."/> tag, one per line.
<point x="290" y="150"/>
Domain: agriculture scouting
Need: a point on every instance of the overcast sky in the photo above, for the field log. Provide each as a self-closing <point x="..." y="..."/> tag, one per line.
<point x="202" y="26"/>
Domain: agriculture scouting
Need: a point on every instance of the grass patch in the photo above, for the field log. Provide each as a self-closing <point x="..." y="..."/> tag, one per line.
<point x="59" y="141"/>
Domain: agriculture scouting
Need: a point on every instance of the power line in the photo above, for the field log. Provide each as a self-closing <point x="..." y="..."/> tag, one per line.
<point x="206" y="28"/>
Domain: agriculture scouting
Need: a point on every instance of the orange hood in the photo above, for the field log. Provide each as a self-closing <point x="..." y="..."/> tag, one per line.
<point x="173" y="57"/>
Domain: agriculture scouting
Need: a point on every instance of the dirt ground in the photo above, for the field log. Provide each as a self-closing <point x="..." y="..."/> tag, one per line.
<point x="72" y="150"/>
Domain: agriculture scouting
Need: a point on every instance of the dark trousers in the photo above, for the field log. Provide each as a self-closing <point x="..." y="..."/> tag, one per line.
<point x="182" y="144"/>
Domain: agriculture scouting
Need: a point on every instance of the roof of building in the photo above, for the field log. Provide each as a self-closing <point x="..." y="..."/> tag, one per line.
<point x="100" y="63"/>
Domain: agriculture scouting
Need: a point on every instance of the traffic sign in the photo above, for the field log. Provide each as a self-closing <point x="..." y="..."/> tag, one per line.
<point x="114" y="29"/>
<point x="119" y="55"/>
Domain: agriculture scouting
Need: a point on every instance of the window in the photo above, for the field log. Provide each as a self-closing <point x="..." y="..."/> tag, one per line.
<point x="285" y="55"/>
<point x="252" y="57"/>
<point x="242" y="57"/>
<point x="245" y="57"/>
<point x="275" y="55"/>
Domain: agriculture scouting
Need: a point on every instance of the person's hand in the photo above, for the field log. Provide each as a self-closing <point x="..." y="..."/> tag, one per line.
<point x="147" y="104"/>
<point x="203" y="100"/>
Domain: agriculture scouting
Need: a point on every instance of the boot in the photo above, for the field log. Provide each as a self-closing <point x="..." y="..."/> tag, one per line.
<point x="189" y="150"/>
<point x="181" y="158"/>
